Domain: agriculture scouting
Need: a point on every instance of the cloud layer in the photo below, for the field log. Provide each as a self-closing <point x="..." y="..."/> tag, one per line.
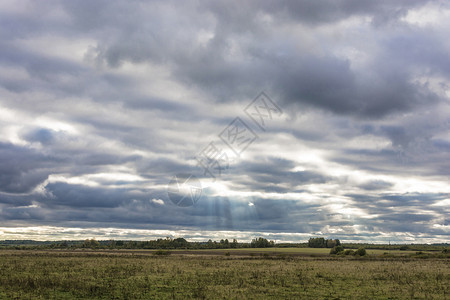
<point x="102" y="103"/>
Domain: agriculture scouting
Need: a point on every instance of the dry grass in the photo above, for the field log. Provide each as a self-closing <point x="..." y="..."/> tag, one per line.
<point x="61" y="275"/>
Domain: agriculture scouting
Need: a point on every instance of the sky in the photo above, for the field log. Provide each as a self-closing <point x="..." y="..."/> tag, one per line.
<point x="292" y="119"/>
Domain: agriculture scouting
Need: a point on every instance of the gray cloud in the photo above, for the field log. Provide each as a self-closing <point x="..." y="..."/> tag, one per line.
<point x="22" y="169"/>
<point x="376" y="185"/>
<point x="101" y="103"/>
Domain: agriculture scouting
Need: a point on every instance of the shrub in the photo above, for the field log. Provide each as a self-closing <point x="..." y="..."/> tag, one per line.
<point x="349" y="252"/>
<point x="360" y="252"/>
<point x="227" y="253"/>
<point x="336" y="250"/>
<point x="161" y="252"/>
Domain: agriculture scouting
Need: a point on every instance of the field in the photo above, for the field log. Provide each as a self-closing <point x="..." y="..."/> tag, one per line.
<point x="218" y="275"/>
<point x="316" y="251"/>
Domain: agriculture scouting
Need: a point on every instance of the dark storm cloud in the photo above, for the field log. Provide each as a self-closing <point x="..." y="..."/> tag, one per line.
<point x="316" y="12"/>
<point x="443" y="145"/>
<point x="42" y="68"/>
<point x="404" y="212"/>
<point x="161" y="166"/>
<point x="324" y="81"/>
<point x="74" y="204"/>
<point x="58" y="150"/>
<point x="20" y="200"/>
<point x="426" y="49"/>
<point x="423" y="157"/>
<point x="43" y="136"/>
<point x="83" y="196"/>
<point x="213" y="213"/>
<point x="376" y="185"/>
<point x="330" y="84"/>
<point x="274" y="174"/>
<point x="22" y="169"/>
<point x="395" y="200"/>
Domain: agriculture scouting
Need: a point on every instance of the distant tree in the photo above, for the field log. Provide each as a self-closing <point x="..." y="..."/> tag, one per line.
<point x="260" y="243"/>
<point x="323" y="243"/>
<point x="180" y="243"/>
<point x="316" y="243"/>
<point x="130" y="245"/>
<point x="91" y="243"/>
<point x="331" y="243"/>
<point x="360" y="252"/>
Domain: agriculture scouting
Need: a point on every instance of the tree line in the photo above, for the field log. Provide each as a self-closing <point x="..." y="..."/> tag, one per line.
<point x="166" y="243"/>
<point x="181" y="243"/>
<point x="323" y="243"/>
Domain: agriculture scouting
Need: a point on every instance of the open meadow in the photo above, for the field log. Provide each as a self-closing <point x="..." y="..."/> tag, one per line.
<point x="64" y="274"/>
